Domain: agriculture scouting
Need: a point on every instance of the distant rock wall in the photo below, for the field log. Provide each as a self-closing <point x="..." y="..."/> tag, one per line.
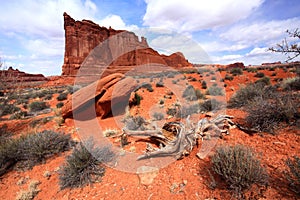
<point x="14" y="75"/>
<point x="125" y="50"/>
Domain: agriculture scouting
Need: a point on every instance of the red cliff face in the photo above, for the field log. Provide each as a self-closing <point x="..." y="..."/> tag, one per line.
<point x="121" y="53"/>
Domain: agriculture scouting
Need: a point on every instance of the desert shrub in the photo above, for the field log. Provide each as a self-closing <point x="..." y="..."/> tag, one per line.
<point x="174" y="81"/>
<point x="210" y="105"/>
<point x="259" y="75"/>
<point x="48" y="97"/>
<point x="62" y="96"/>
<point x="160" y="84"/>
<point x="228" y="77"/>
<point x="251" y="69"/>
<point x="148" y="86"/>
<point x="84" y="166"/>
<point x="274" y="74"/>
<point x="19" y="115"/>
<point x="135" y="123"/>
<point x="39" y="121"/>
<point x="264" y="80"/>
<point x="236" y="71"/>
<point x="31" y="149"/>
<point x="38" y="106"/>
<point x="36" y="148"/>
<point x="191" y="94"/>
<point x="136" y="99"/>
<point x="215" y="91"/>
<point x="247" y="93"/>
<point x="59" y="104"/>
<point x="267" y="114"/>
<point x="110" y="132"/>
<point x="172" y="111"/>
<point x="6" y="109"/>
<point x="239" y="168"/>
<point x="291" y="84"/>
<point x="73" y="88"/>
<point x="293" y="173"/>
<point x="30" y="193"/>
<point x="188" y="110"/>
<point x="158" y="116"/>
<point x="204" y="85"/>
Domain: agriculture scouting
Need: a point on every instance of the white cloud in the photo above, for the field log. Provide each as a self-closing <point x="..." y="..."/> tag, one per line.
<point x="171" y="43"/>
<point x="116" y="22"/>
<point x="269" y="32"/>
<point x="194" y="15"/>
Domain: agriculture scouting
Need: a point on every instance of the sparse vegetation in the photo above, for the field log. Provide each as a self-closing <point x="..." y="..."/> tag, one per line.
<point x="215" y="91"/>
<point x="191" y="94"/>
<point x="204" y="85"/>
<point x="31" y="149"/>
<point x="59" y="105"/>
<point x="291" y="83"/>
<point x="239" y="168"/>
<point x="38" y="106"/>
<point x="30" y="193"/>
<point x="264" y="80"/>
<point x="236" y="71"/>
<point x="62" y="96"/>
<point x="6" y="109"/>
<point x="293" y="174"/>
<point x="158" y="116"/>
<point x="259" y="75"/>
<point x="84" y="166"/>
<point x="135" y="123"/>
<point x="228" y="77"/>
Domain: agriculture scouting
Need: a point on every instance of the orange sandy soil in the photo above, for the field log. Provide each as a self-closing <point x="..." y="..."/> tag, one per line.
<point x="190" y="174"/>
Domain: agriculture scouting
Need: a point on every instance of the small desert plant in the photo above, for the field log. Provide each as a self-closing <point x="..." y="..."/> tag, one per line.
<point x="48" y="97"/>
<point x="236" y="71"/>
<point x="251" y="69"/>
<point x="135" y="123"/>
<point x="215" y="91"/>
<point x="59" y="104"/>
<point x="35" y="148"/>
<point x="136" y="99"/>
<point x="264" y="80"/>
<point x="158" y="116"/>
<point x="259" y="75"/>
<point x="189" y="93"/>
<point x="84" y="166"/>
<point x="291" y="83"/>
<point x="204" y="85"/>
<point x="62" y="96"/>
<point x="293" y="174"/>
<point x="228" y="77"/>
<point x="267" y="114"/>
<point x="148" y="86"/>
<point x="210" y="105"/>
<point x="110" y="132"/>
<point x="18" y="115"/>
<point x="247" y="93"/>
<point x="38" y="106"/>
<point x="6" y="109"/>
<point x="239" y="168"/>
<point x="160" y="84"/>
<point x="30" y="193"/>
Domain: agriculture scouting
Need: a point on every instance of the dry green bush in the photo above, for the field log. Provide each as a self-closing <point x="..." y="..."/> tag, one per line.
<point x="239" y="168"/>
<point x="84" y="166"/>
<point x="293" y="174"/>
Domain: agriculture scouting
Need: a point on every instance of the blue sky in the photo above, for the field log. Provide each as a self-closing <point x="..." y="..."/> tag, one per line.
<point x="32" y="35"/>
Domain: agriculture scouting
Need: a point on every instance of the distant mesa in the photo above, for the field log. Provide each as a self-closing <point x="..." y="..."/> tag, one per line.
<point x="14" y="75"/>
<point x="81" y="37"/>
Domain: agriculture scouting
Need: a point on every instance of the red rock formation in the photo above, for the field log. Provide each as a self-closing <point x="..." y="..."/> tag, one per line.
<point x="100" y="97"/>
<point x="14" y="75"/>
<point x="236" y="65"/>
<point x="125" y="49"/>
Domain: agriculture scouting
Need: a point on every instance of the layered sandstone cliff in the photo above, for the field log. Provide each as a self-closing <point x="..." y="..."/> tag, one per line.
<point x="119" y="49"/>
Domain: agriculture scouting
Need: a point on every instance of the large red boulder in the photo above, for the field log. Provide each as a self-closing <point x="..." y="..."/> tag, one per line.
<point x="103" y="95"/>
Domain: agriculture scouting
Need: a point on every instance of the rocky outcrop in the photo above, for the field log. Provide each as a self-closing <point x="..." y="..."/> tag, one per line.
<point x="125" y="50"/>
<point x="104" y="95"/>
<point x="236" y="65"/>
<point x="14" y="75"/>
